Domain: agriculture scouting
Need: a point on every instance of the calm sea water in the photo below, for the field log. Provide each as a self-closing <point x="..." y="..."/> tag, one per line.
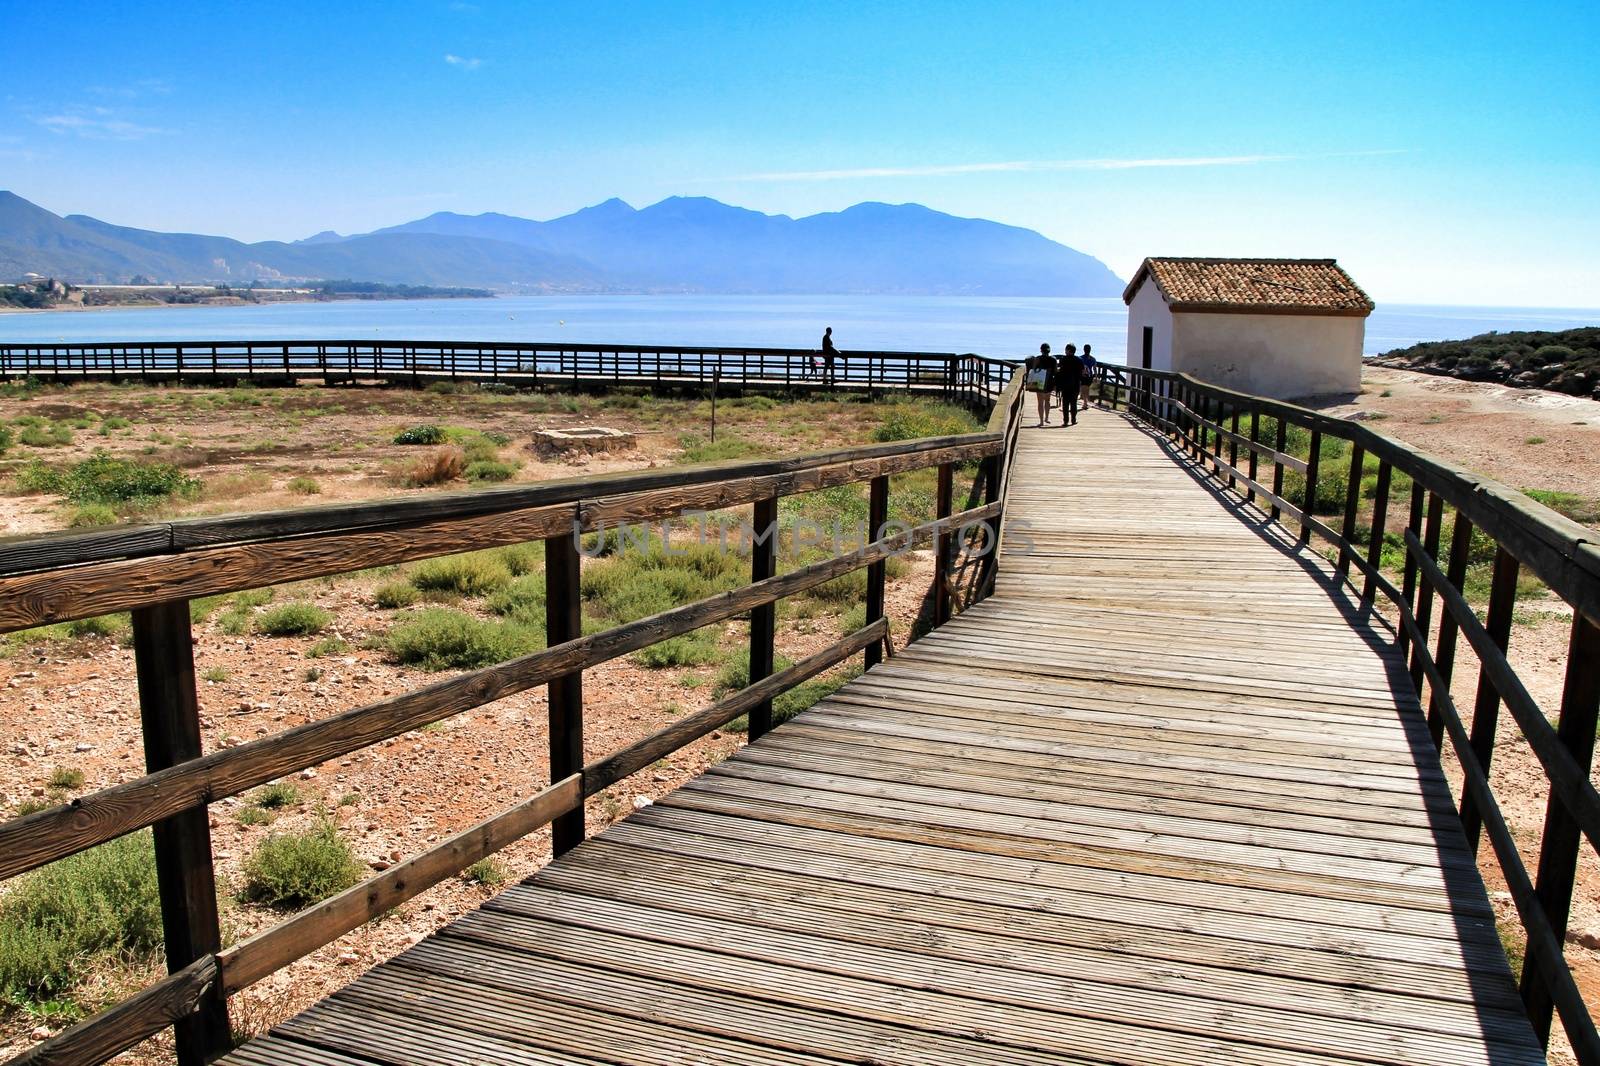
<point x="995" y="326"/>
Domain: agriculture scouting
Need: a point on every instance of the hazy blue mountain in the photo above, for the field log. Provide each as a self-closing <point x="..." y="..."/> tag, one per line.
<point x="700" y="244"/>
<point x="683" y="244"/>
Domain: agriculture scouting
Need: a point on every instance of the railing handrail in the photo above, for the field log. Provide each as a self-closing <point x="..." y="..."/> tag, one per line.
<point x="1564" y="553"/>
<point x="1560" y="551"/>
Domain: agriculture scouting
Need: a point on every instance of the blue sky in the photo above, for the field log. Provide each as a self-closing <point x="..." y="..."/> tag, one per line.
<point x="1443" y="153"/>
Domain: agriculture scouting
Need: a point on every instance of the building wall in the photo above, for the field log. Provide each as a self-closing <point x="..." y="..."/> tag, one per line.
<point x="1282" y="356"/>
<point x="1149" y="308"/>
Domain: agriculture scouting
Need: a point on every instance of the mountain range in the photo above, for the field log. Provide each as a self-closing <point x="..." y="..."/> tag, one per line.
<point x="682" y="244"/>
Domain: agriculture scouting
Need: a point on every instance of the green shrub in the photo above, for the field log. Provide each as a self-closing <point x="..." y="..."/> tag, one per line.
<point x="7" y="438"/>
<point x="633" y="584"/>
<point x="296" y="619"/>
<point x="325" y="647"/>
<point x="489" y="470"/>
<point x="49" y="435"/>
<point x="292" y="870"/>
<point x="471" y="574"/>
<point x="251" y="816"/>
<point x="736" y="675"/>
<point x="102" y="478"/>
<point x="485" y="872"/>
<point x="115" y="422"/>
<point x="690" y="649"/>
<point x="420" y="435"/>
<point x="911" y="419"/>
<point x="395" y="594"/>
<point x="853" y="619"/>
<point x="303" y="486"/>
<point x="698" y="450"/>
<point x="522" y="600"/>
<point x="65" y="778"/>
<point x="274" y="796"/>
<point x="437" y="638"/>
<point x="1584" y="509"/>
<point x="92" y="514"/>
<point x="58" y="921"/>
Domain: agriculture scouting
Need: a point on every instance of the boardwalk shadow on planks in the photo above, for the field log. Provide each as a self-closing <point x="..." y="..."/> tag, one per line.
<point x="1375" y="629"/>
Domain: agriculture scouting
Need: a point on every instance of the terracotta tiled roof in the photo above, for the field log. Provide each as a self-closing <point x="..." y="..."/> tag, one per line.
<point x="1259" y="286"/>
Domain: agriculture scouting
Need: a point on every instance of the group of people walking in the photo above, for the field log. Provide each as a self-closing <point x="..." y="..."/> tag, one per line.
<point x="1068" y="378"/>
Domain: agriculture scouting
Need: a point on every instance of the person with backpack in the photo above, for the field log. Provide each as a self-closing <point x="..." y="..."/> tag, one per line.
<point x="1038" y="377"/>
<point x="1091" y="368"/>
<point x="1069" y="382"/>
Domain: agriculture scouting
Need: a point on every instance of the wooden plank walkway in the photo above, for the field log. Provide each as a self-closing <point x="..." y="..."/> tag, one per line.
<point x="1164" y="798"/>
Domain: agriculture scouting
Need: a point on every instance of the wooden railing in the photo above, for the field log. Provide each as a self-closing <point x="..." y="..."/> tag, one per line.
<point x="531" y="365"/>
<point x="1213" y="426"/>
<point x="155" y="570"/>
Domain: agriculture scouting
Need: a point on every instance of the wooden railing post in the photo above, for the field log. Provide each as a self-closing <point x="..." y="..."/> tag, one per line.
<point x="763" y="619"/>
<point x="564" y="622"/>
<point x="1444" y="655"/>
<point x="944" y="503"/>
<point x="1380" y="513"/>
<point x="1563" y="837"/>
<point x="1424" y="608"/>
<point x="1233" y="448"/>
<point x="1280" y="442"/>
<point x="1352" y="499"/>
<point x="1408" y="585"/>
<point x="169" y="710"/>
<point x="877" y="515"/>
<point x="1486" y="707"/>
<point x="1313" y="472"/>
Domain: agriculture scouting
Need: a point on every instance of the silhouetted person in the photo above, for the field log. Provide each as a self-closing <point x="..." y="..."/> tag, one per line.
<point x="1091" y="368"/>
<point x="1069" y="383"/>
<point x="829" y="352"/>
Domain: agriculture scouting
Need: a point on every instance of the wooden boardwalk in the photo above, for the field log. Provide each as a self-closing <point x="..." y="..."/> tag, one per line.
<point x="1163" y="798"/>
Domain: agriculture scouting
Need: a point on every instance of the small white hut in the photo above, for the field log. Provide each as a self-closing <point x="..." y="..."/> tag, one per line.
<point x="1274" y="327"/>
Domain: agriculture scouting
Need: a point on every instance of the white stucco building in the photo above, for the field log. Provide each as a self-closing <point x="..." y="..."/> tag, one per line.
<point x="1275" y="327"/>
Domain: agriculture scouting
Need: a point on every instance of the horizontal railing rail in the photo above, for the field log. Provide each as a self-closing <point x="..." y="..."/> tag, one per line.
<point x="1201" y="419"/>
<point x="550" y="365"/>
<point x="156" y="570"/>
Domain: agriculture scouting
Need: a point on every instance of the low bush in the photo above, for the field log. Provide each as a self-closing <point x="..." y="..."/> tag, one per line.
<point x="297" y="619"/>
<point x="471" y="574"/>
<point x="293" y="870"/>
<point x="489" y="470"/>
<point x="303" y="486"/>
<point x="395" y="594"/>
<point x="92" y="514"/>
<point x="691" y="649"/>
<point x="910" y="419"/>
<point x="48" y="435"/>
<point x="65" y="777"/>
<point x="485" y="872"/>
<point x="522" y="600"/>
<point x="437" y="638"/>
<point x="7" y="438"/>
<point x="102" y="478"/>
<point x="277" y="795"/>
<point x="58" y="922"/>
<point x="699" y="450"/>
<point x="736" y="675"/>
<point x="326" y="647"/>
<point x="444" y="465"/>
<point x="420" y="435"/>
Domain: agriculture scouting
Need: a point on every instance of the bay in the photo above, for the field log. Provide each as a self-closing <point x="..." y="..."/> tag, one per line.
<point x="1003" y="327"/>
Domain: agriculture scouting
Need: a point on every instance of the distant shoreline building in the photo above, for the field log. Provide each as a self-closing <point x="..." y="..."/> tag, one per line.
<point x="1275" y="327"/>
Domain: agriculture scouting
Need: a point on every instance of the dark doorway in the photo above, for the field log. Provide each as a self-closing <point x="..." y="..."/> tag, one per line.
<point x="1149" y="344"/>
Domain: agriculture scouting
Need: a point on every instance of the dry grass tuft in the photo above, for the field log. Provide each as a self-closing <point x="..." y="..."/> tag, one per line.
<point x="445" y="464"/>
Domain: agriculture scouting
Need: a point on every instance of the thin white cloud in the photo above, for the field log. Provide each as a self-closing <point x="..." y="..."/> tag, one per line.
<point x="1040" y="165"/>
<point x="464" y="62"/>
<point x="97" y="124"/>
